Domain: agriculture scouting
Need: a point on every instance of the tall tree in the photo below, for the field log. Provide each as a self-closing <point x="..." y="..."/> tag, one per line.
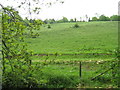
<point x="75" y="19"/>
<point x="71" y="20"/>
<point x="65" y="19"/>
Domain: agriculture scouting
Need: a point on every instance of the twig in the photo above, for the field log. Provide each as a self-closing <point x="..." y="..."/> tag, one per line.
<point x="101" y="73"/>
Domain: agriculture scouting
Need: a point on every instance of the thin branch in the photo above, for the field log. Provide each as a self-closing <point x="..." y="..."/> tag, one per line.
<point x="13" y="15"/>
<point x="101" y="74"/>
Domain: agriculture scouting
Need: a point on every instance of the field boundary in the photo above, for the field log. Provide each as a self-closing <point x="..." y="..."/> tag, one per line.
<point x="75" y="54"/>
<point x="73" y="62"/>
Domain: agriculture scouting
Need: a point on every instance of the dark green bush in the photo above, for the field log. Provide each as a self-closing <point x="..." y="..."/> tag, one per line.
<point x="49" y="26"/>
<point x="76" y="25"/>
<point x="18" y="80"/>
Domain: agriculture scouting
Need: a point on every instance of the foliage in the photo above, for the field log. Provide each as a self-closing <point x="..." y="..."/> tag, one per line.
<point x="60" y="21"/>
<point x="115" y="69"/>
<point x="49" y="21"/>
<point x="61" y="81"/>
<point x="17" y="64"/>
<point x="89" y="34"/>
<point x="35" y="24"/>
<point x="103" y="18"/>
<point x="49" y="26"/>
<point x="19" y="69"/>
<point x="106" y="18"/>
<point x="65" y="19"/>
<point x="76" y="25"/>
<point x="71" y="20"/>
<point x="33" y="7"/>
<point x="46" y="21"/>
<point x="75" y="19"/>
<point x="94" y="18"/>
<point x="60" y="76"/>
<point x="115" y="18"/>
<point x="66" y="75"/>
<point x="31" y="25"/>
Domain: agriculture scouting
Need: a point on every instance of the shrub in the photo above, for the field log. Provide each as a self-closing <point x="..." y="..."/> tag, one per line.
<point x="76" y="25"/>
<point x="49" y="26"/>
<point x="18" y="80"/>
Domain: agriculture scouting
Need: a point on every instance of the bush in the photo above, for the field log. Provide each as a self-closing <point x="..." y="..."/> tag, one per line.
<point x="17" y="80"/>
<point x="49" y="26"/>
<point x="76" y="25"/>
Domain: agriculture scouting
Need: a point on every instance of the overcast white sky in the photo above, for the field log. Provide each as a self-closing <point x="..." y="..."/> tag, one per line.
<point x="76" y="9"/>
<point x="79" y="8"/>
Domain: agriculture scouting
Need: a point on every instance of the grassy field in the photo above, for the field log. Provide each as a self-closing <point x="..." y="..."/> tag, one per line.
<point x="66" y="75"/>
<point x="62" y="38"/>
<point x="62" y="47"/>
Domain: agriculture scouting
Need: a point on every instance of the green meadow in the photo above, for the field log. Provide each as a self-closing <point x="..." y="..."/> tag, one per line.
<point x="63" y="38"/>
<point x="62" y="47"/>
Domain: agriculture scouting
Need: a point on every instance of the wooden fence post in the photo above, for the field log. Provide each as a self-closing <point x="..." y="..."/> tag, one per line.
<point x="80" y="70"/>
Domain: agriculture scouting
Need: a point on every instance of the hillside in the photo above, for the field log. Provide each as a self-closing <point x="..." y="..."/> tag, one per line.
<point x="64" y="39"/>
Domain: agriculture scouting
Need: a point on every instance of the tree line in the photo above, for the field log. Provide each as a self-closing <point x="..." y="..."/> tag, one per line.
<point x="100" y="18"/>
<point x="106" y="18"/>
<point x="65" y="19"/>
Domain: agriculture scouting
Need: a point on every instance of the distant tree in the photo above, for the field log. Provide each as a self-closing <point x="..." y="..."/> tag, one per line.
<point x="71" y="20"/>
<point x="46" y="21"/>
<point x="83" y="20"/>
<point x="65" y="19"/>
<point x="94" y="19"/>
<point x="60" y="21"/>
<point x="53" y="20"/>
<point x="118" y="18"/>
<point x="75" y="19"/>
<point x="107" y="18"/>
<point x="115" y="18"/>
<point x="102" y="18"/>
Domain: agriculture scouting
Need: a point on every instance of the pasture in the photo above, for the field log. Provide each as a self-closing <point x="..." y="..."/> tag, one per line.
<point x="62" y="47"/>
<point x="62" y="38"/>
